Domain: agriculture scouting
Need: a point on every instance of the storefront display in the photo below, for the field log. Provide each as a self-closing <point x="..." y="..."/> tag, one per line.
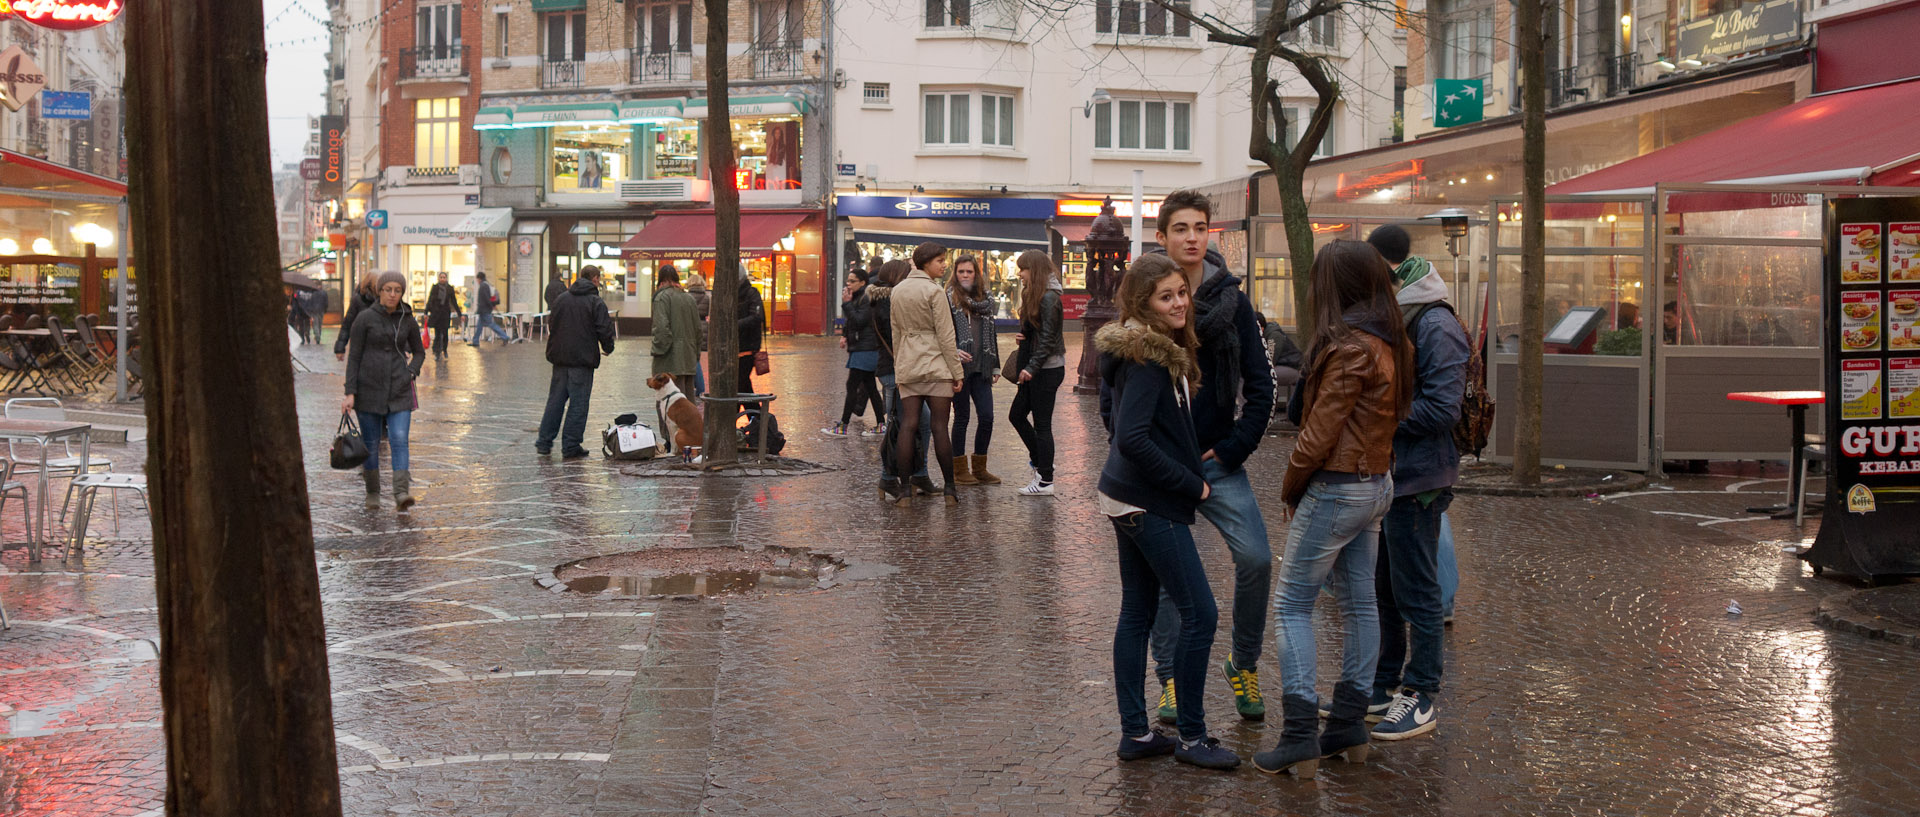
<point x="423" y="263"/>
<point x="590" y="158"/>
<point x="669" y="150"/>
<point x="1873" y="480"/>
<point x="767" y="152"/>
<point x="780" y="250"/>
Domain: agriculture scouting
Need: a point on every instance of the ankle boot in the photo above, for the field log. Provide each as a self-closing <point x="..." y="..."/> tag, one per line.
<point x="373" y="487"/>
<point x="1299" y="748"/>
<point x="893" y="491"/>
<point x="962" y="472"/>
<point x="980" y="474"/>
<point x="1346" y="728"/>
<point x="924" y="486"/>
<point x="402" y="498"/>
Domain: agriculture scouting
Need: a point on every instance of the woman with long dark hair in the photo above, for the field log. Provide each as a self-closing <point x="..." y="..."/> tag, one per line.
<point x="1043" y="366"/>
<point x="926" y="366"/>
<point x="1149" y="488"/>
<point x="973" y="330"/>
<point x="863" y="355"/>
<point x="1339" y="484"/>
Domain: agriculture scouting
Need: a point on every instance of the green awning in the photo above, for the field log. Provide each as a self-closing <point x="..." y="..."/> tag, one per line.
<point x="493" y="118"/>
<point x="558" y="5"/>
<point x="642" y="111"/>
<point x="569" y="113"/>
<point x="769" y="105"/>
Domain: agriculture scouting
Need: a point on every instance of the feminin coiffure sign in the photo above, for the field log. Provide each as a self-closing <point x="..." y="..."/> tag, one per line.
<point x="1872" y="325"/>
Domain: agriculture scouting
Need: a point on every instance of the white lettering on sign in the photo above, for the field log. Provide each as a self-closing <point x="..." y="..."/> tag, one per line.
<point x="1881" y="441"/>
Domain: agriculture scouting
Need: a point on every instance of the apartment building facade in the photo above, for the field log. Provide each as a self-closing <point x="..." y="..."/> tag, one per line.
<point x="998" y="126"/>
<point x="591" y="134"/>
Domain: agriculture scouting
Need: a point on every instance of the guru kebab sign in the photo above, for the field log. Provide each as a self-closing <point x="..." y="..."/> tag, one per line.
<point x="63" y="15"/>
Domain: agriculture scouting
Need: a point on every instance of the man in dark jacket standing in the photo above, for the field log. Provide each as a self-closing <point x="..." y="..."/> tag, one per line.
<point x="577" y="323"/>
<point x="442" y="304"/>
<point x="555" y="288"/>
<point x="1230" y="416"/>
<point x="1425" y="465"/>
<point x="751" y="317"/>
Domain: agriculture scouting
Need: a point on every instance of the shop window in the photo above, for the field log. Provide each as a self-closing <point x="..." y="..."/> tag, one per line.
<point x="669" y="151"/>
<point x="1143" y="124"/>
<point x="591" y="158"/>
<point x="425" y="262"/>
<point x="1141" y="17"/>
<point x="769" y="151"/>
<point x="436" y="133"/>
<point x="948" y="13"/>
<point x="1461" y="39"/>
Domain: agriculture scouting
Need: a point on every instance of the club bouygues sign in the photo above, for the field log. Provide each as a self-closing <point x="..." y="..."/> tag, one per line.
<point x="63" y="15"/>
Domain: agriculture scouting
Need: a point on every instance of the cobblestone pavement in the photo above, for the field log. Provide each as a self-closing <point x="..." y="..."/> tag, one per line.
<point x="1593" y="669"/>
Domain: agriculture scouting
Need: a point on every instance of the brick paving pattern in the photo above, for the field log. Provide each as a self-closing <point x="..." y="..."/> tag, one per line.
<point x="1593" y="669"/>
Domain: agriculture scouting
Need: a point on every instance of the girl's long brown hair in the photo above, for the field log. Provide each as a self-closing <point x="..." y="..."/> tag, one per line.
<point x="1040" y="275"/>
<point x="1352" y="277"/>
<point x="958" y="296"/>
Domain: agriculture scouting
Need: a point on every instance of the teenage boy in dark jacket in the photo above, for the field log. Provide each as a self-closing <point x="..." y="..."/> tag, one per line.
<point x="1425" y="465"/>
<point x="579" y="330"/>
<point x="1230" y="415"/>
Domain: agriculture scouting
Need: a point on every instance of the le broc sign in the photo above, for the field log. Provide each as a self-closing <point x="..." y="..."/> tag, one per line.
<point x="63" y="15"/>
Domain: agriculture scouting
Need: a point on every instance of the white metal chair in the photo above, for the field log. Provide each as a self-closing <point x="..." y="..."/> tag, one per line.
<point x="8" y="487"/>
<point x="88" y="487"/>
<point x="50" y="408"/>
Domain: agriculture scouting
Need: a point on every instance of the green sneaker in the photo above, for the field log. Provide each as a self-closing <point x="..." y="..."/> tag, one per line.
<point x="1168" y="712"/>
<point x="1246" y="691"/>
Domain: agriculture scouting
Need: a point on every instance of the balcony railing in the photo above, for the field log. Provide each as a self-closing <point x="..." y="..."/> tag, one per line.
<point x="780" y="60"/>
<point x="1563" y="87"/>
<point x="563" y="73"/>
<point x="433" y="62"/>
<point x="661" y="67"/>
<point x="1622" y="74"/>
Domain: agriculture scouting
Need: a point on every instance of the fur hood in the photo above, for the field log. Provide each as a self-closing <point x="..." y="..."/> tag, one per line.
<point x="1134" y="342"/>
<point x="878" y="292"/>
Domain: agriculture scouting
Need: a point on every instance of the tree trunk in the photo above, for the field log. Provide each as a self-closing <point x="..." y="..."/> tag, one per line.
<point x="243" y="656"/>
<point x="1533" y="241"/>
<point x="1299" y="227"/>
<point x="723" y="341"/>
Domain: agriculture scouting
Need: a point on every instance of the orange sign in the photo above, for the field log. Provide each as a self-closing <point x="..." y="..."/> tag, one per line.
<point x="1122" y="208"/>
<point x="64" y="15"/>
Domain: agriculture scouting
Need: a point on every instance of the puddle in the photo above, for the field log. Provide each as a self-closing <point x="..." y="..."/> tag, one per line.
<point x="699" y="572"/>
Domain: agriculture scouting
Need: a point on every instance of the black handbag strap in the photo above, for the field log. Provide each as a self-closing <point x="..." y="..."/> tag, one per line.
<point x="347" y="425"/>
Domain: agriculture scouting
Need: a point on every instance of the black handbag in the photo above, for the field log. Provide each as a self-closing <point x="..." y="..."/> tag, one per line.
<point x="349" y="450"/>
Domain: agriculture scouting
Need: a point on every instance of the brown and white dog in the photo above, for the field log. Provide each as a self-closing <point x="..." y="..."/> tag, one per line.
<point x="685" y="427"/>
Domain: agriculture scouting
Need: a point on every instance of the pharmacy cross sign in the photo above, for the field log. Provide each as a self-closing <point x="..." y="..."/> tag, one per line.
<point x="1458" y="102"/>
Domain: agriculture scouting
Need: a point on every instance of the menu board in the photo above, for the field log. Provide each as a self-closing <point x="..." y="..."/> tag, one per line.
<point x="1872" y="321"/>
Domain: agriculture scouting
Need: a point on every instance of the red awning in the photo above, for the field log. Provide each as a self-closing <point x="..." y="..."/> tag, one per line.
<point x="23" y="171"/>
<point x="1853" y="137"/>
<point x="690" y="234"/>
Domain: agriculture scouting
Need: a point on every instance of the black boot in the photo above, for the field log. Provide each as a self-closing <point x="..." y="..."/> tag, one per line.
<point x="924" y="486"/>
<point x="1299" y="749"/>
<point x="1346" y="729"/>
<point x="892" y="490"/>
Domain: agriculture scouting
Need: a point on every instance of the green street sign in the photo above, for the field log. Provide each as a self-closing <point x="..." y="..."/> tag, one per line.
<point x="1458" y="102"/>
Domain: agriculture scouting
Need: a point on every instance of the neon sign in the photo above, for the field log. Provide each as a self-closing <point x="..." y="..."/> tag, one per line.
<point x="64" y="15"/>
<point x="743" y="179"/>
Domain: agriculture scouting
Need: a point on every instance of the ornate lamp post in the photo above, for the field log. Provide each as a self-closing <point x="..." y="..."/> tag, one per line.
<point x="1107" y="250"/>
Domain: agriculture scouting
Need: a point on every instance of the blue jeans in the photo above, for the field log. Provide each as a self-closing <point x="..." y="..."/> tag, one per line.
<point x="1449" y="567"/>
<point x="1407" y="581"/>
<point x="699" y="377"/>
<point x="1157" y="554"/>
<point x="394" y="427"/>
<point x="893" y="421"/>
<point x="1233" y="510"/>
<point x="975" y="392"/>
<point x="1332" y="541"/>
<point x="485" y="321"/>
<point x="569" y="391"/>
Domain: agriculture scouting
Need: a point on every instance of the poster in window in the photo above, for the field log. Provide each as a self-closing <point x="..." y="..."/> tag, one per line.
<point x="1860" y="390"/>
<point x="1903" y="251"/>
<point x="1860" y="321"/>
<point x="590" y="170"/>
<point x="1859" y="253"/>
<point x="1903" y="319"/>
<point x="1903" y="388"/>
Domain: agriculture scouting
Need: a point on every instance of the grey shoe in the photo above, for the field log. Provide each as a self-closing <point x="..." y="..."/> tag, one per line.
<point x="373" y="487"/>
<point x="402" y="497"/>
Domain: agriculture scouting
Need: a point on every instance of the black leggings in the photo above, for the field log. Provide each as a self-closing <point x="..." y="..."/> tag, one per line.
<point x="862" y="389"/>
<point x="909" y="427"/>
<point x="976" y="392"/>
<point x="1036" y="397"/>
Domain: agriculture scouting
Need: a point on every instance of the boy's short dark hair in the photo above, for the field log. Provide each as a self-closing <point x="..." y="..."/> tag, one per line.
<point x="1182" y="200"/>
<point x="590" y="272"/>
<point x="1392" y="242"/>
<point x="669" y="275"/>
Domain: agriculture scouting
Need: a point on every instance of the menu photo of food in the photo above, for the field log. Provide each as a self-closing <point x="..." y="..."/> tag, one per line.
<point x="1859" y="321"/>
<point x="1903" y="387"/>
<point x="1903" y="251"/>
<point x="1903" y="319"/>
<point x="1860" y="389"/>
<point x="1859" y="253"/>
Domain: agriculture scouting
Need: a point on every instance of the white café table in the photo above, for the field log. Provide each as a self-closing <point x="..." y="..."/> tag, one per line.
<point x="45" y="433"/>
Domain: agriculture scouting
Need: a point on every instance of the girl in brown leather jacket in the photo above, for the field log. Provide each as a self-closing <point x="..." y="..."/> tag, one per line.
<point x="1338" y="486"/>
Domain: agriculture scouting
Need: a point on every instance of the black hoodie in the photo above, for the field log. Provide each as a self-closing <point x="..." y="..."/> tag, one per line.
<point x="577" y="323"/>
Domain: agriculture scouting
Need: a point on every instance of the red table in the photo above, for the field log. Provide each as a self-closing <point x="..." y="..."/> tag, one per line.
<point x="1796" y="403"/>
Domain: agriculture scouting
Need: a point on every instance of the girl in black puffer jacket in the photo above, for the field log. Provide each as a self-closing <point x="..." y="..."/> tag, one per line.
<point x="857" y="336"/>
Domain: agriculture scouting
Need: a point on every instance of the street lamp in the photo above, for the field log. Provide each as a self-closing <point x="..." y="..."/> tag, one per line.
<point x="1453" y="224"/>
<point x="1100" y="95"/>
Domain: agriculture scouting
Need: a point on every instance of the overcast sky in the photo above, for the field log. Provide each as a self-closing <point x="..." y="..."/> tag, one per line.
<point x="296" y="73"/>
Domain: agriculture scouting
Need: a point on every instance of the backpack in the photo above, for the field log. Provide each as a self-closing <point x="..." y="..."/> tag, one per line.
<point x="1475" y="426"/>
<point x="750" y="437"/>
<point x="629" y="439"/>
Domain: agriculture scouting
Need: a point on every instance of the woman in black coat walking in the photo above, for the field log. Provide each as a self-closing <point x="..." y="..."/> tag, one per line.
<point x="384" y="357"/>
<point x="863" y="355"/>
<point x="442" y="304"/>
<point x="360" y="298"/>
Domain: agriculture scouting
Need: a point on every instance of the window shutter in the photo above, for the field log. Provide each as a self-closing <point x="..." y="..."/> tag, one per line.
<point x="685" y="43"/>
<point x="579" y="37"/>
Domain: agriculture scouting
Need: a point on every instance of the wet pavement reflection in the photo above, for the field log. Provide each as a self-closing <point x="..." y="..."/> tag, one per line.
<point x="965" y="667"/>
